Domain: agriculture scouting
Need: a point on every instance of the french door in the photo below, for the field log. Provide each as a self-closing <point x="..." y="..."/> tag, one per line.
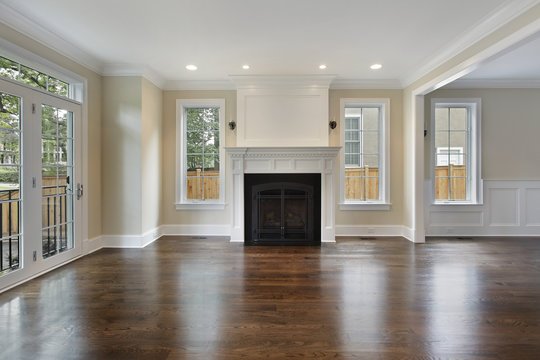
<point x="40" y="172"/>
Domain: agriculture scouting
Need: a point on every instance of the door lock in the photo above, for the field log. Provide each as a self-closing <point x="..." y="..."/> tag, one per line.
<point x="79" y="191"/>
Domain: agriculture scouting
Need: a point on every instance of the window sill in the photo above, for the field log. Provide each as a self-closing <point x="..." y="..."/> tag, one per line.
<point x="200" y="206"/>
<point x="374" y="206"/>
<point x="456" y="203"/>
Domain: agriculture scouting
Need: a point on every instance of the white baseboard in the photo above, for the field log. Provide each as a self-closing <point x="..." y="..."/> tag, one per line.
<point x="408" y="233"/>
<point x="368" y="230"/>
<point x="91" y="245"/>
<point x="196" y="230"/>
<point x="131" y="241"/>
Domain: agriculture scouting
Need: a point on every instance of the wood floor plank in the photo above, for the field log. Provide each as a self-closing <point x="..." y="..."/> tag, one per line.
<point x="192" y="298"/>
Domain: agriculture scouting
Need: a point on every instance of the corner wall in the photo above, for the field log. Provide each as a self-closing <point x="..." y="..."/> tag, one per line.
<point x="122" y="154"/>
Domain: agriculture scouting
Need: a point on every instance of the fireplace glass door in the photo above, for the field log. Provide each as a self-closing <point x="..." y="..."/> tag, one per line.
<point x="282" y="212"/>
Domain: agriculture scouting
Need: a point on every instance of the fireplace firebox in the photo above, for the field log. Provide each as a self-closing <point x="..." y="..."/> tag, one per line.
<point x="282" y="209"/>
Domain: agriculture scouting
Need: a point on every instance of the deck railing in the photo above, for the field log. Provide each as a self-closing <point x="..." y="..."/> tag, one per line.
<point x="54" y="224"/>
<point x="9" y="229"/>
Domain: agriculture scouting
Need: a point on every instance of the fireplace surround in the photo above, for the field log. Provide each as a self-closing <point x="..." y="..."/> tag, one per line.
<point x="282" y="160"/>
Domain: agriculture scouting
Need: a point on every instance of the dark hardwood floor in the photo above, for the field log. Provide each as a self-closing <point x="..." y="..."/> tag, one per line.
<point x="185" y="298"/>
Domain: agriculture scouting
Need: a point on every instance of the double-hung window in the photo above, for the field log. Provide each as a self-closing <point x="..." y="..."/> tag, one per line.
<point x="456" y="151"/>
<point x="365" y="155"/>
<point x="200" y="179"/>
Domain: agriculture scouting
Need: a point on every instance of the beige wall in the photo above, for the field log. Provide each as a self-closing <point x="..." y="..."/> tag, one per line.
<point x="93" y="188"/>
<point x="152" y="119"/>
<point x="171" y="216"/>
<point x="510" y="129"/>
<point x="394" y="216"/>
<point x="122" y="154"/>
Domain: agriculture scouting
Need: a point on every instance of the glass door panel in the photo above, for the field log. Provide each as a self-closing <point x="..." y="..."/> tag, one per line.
<point x="57" y="170"/>
<point x="10" y="182"/>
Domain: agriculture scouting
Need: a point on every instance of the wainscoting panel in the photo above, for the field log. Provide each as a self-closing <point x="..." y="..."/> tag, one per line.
<point x="510" y="208"/>
<point x="532" y="207"/>
<point x="504" y="206"/>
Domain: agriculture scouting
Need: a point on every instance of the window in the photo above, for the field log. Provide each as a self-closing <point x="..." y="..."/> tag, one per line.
<point x="365" y="157"/>
<point x="200" y="156"/>
<point x="456" y="151"/>
<point x="15" y="71"/>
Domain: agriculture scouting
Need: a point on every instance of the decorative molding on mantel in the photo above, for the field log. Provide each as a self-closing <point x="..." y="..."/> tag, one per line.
<point x="282" y="81"/>
<point x="326" y="152"/>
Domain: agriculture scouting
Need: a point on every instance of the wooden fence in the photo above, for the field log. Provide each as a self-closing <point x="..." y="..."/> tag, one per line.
<point x="56" y="205"/>
<point x="196" y="182"/>
<point x="457" y="175"/>
<point x="362" y="183"/>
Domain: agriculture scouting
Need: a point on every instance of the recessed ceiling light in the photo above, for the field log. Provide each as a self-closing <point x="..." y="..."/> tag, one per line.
<point x="191" y="67"/>
<point x="245" y="67"/>
<point x="375" y="67"/>
<point x="322" y="67"/>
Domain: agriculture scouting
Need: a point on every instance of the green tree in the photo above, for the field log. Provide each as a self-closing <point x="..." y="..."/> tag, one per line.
<point x="202" y="136"/>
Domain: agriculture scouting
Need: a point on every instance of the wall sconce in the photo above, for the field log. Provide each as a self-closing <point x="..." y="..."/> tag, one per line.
<point x="333" y="124"/>
<point x="232" y="125"/>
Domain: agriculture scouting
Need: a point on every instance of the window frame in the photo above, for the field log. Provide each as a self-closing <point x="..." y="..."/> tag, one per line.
<point x="182" y="202"/>
<point x="473" y="155"/>
<point x="383" y="203"/>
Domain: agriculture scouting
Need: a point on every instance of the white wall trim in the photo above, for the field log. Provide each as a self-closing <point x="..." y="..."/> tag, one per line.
<point x="25" y="26"/>
<point x="196" y="230"/>
<point x="133" y="69"/>
<point x="490" y="23"/>
<point x="371" y="230"/>
<point x="494" y="84"/>
<point x="199" y="85"/>
<point x="510" y="208"/>
<point x="355" y="84"/>
<point x="92" y="245"/>
<point x="131" y="241"/>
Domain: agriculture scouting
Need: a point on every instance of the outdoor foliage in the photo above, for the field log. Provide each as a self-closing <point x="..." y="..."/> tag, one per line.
<point x="15" y="71"/>
<point x="202" y="135"/>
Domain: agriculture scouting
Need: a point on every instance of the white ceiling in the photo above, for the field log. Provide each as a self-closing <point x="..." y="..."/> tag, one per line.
<point x="273" y="37"/>
<point x="521" y="62"/>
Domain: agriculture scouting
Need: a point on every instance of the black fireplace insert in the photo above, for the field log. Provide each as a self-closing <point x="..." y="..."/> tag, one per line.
<point x="282" y="209"/>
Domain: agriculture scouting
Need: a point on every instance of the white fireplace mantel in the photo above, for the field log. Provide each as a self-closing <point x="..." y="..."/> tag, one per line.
<point x="275" y="160"/>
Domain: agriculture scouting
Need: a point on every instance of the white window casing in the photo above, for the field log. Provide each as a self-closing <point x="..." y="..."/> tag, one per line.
<point x="181" y="201"/>
<point x="472" y="150"/>
<point x="383" y="201"/>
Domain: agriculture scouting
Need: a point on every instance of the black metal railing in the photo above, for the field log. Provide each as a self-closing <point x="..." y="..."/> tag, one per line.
<point x="9" y="229"/>
<point x="55" y="220"/>
<point x="55" y="224"/>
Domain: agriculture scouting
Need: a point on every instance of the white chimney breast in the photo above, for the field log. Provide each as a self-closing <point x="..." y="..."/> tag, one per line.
<point x="282" y="111"/>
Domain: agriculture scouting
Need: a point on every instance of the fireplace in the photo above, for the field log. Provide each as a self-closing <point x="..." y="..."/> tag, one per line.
<point x="316" y="161"/>
<point x="282" y="209"/>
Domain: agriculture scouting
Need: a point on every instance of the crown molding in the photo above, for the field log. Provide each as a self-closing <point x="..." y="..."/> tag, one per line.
<point x="494" y="84"/>
<point x="281" y="81"/>
<point x="490" y="23"/>
<point x="132" y="69"/>
<point x="199" y="85"/>
<point x="36" y="32"/>
<point x="351" y="84"/>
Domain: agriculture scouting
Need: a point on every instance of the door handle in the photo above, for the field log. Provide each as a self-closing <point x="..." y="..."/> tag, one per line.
<point x="79" y="191"/>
